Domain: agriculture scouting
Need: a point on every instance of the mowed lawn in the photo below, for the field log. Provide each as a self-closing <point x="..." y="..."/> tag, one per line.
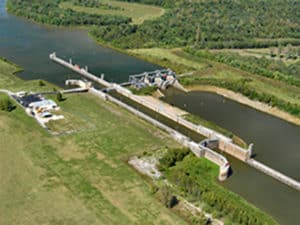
<point x="82" y="178"/>
<point x="137" y="12"/>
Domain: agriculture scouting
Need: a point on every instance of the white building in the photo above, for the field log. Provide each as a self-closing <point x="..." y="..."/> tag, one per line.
<point x="44" y="105"/>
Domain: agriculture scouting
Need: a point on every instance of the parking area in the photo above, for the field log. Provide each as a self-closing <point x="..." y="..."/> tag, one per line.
<point x="37" y="106"/>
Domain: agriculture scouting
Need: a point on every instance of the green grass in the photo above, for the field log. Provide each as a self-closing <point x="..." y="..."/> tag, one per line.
<point x="149" y="90"/>
<point x="81" y="178"/>
<point x="168" y="58"/>
<point x="137" y="12"/>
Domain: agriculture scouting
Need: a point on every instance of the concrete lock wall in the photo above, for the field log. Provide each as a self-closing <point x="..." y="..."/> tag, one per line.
<point x="275" y="174"/>
<point x="198" y="150"/>
<point x="79" y="83"/>
<point x="225" y="143"/>
<point x="234" y="150"/>
<point x="98" y="93"/>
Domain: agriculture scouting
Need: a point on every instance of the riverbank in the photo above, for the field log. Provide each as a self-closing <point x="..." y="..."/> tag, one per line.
<point x="246" y="101"/>
<point x="206" y="71"/>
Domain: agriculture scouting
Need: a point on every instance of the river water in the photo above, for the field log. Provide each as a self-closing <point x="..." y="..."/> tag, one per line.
<point x="277" y="143"/>
<point x="29" y="45"/>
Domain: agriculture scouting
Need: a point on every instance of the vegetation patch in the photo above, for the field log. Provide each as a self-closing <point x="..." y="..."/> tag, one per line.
<point x="196" y="179"/>
<point x="276" y="70"/>
<point x="137" y="12"/>
<point x="213" y="24"/>
<point x="149" y="90"/>
<point x="6" y="103"/>
<point x="202" y="24"/>
<point x="169" y="58"/>
<point x="49" y="12"/>
<point x="287" y="54"/>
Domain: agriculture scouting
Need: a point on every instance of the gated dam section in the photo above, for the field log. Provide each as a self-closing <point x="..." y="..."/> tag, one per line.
<point x="225" y="144"/>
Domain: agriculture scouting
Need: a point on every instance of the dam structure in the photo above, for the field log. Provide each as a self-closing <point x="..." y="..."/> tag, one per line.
<point x="223" y="143"/>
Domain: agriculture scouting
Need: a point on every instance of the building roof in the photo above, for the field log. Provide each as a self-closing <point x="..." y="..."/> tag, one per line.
<point x="27" y="99"/>
<point x="43" y="103"/>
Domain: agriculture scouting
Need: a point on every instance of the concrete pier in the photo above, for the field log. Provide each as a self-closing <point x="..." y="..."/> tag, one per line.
<point x="274" y="173"/>
<point x="225" y="144"/>
<point x="79" y="70"/>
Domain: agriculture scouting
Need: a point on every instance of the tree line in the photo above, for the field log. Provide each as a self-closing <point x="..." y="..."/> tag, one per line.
<point x="203" y="24"/>
<point x="215" y="24"/>
<point x="95" y="4"/>
<point x="48" y="11"/>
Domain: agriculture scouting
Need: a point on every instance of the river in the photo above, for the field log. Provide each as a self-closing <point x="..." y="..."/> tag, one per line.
<point x="29" y="44"/>
<point x="277" y="143"/>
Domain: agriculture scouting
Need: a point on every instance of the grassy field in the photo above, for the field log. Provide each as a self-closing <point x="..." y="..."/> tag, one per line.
<point x="205" y="69"/>
<point x="81" y="178"/>
<point x="137" y="12"/>
<point x="264" y="52"/>
<point x="169" y="58"/>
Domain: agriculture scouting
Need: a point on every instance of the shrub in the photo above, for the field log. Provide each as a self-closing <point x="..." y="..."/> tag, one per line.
<point x="172" y="156"/>
<point x="6" y="104"/>
<point x="59" y="97"/>
<point x="41" y="83"/>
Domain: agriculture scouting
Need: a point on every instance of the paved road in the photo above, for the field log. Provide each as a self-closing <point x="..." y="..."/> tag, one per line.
<point x="6" y="92"/>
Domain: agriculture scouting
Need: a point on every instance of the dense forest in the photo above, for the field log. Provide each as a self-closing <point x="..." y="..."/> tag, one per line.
<point x="204" y="24"/>
<point x="196" y="179"/>
<point x="215" y="24"/>
<point x="48" y="11"/>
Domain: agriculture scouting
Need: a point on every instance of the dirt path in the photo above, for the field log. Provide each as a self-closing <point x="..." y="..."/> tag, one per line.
<point x="246" y="101"/>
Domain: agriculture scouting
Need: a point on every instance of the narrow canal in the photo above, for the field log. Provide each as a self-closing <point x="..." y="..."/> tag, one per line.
<point x="277" y="143"/>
